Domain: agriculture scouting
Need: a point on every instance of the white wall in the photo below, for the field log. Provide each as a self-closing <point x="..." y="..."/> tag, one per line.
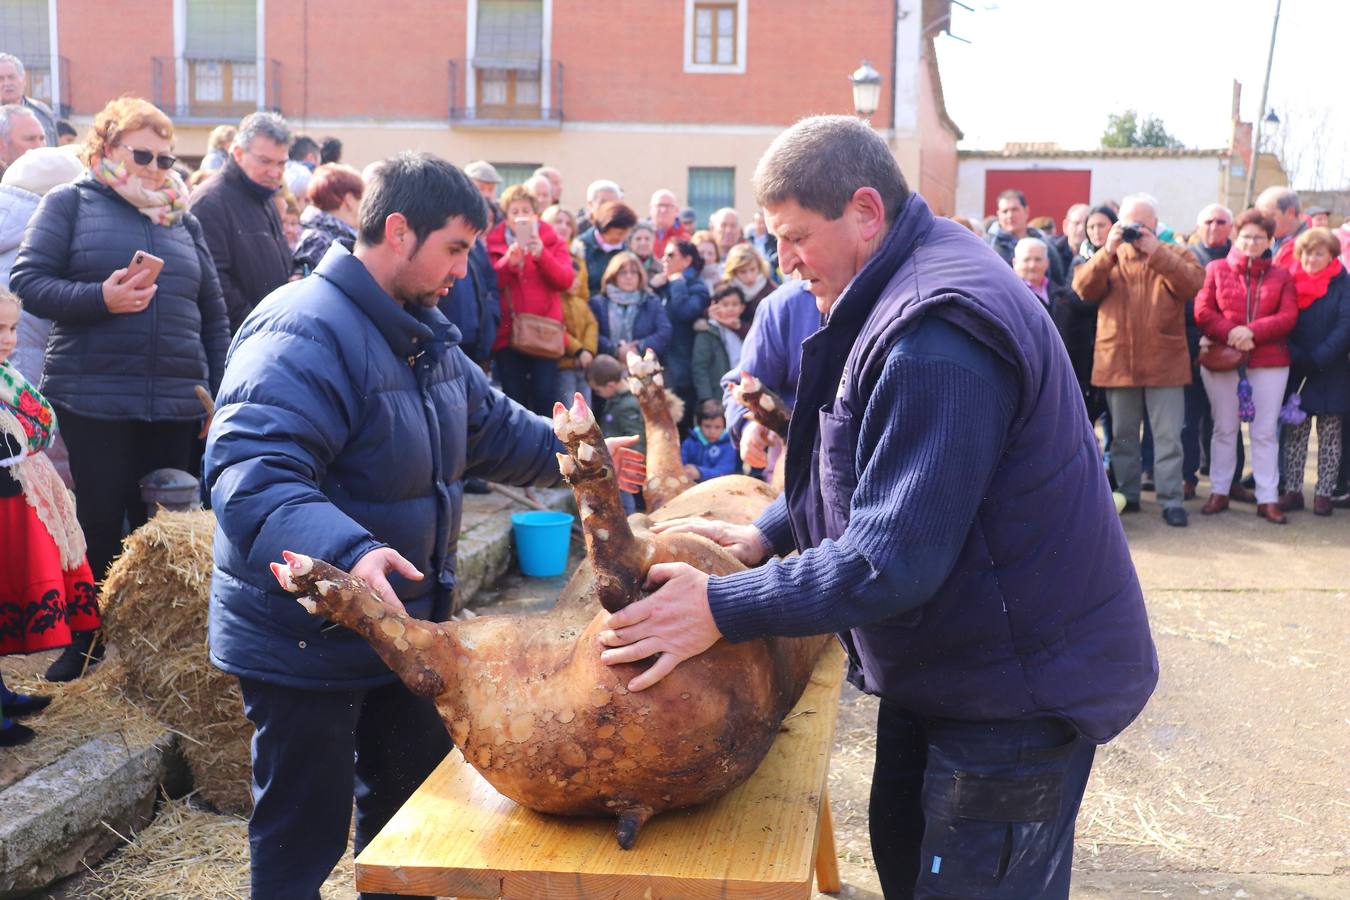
<point x="1183" y="185"/>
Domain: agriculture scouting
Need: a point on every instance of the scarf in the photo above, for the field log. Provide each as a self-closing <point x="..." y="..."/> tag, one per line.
<point x="34" y="415"/>
<point x="623" y="312"/>
<point x="731" y="341"/>
<point x="164" y="206"/>
<point x="1313" y="286"/>
<point x="752" y="291"/>
<point x="26" y="417"/>
<point x="1086" y="250"/>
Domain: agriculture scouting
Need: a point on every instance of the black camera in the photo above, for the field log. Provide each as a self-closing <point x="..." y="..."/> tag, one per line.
<point x="1130" y="233"/>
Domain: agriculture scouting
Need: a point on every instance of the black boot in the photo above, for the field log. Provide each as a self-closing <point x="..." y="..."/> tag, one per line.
<point x="14" y="734"/>
<point x="85" y="652"/>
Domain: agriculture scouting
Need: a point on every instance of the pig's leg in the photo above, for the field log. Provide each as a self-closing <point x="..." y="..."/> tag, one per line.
<point x="630" y="821"/>
<point x="665" y="472"/>
<point x="764" y="406"/>
<point x="618" y="558"/>
<point x="417" y="651"/>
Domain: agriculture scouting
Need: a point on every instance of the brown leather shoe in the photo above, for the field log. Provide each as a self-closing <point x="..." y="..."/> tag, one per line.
<point x="1216" y="503"/>
<point x="1322" y="505"/>
<point x="1271" y="513"/>
<point x="1241" y="494"/>
<point x="1291" y="501"/>
<point x="1188" y="490"/>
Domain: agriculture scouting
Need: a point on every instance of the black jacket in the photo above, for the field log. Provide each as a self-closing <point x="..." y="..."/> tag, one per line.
<point x="243" y="230"/>
<point x="131" y="366"/>
<point x="1319" y="344"/>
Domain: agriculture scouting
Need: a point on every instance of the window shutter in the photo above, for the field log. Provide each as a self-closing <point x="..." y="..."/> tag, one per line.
<point x="222" y="29"/>
<point x="510" y="34"/>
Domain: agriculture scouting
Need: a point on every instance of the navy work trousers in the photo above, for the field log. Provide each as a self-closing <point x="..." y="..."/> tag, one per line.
<point x="313" y="751"/>
<point x="975" y="809"/>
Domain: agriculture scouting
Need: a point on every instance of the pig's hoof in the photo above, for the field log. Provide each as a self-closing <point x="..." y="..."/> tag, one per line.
<point x="631" y="821"/>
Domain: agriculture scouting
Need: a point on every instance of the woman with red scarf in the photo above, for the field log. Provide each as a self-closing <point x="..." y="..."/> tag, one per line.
<point x="46" y="588"/>
<point x="1320" y="375"/>
<point x="1248" y="304"/>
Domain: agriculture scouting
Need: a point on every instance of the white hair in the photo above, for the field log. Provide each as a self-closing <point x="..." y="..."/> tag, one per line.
<point x="9" y="113"/>
<point x="1140" y="199"/>
<point x="13" y="61"/>
<point x="604" y="184"/>
<point x="721" y="214"/>
<point x="1026" y="242"/>
<point x="1077" y="206"/>
<point x="1200" y="216"/>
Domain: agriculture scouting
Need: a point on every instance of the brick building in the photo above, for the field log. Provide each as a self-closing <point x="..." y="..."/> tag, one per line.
<point x="683" y="94"/>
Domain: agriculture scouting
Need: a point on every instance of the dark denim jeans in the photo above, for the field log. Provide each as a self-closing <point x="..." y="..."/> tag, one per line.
<point x="312" y="752"/>
<point x="975" y="809"/>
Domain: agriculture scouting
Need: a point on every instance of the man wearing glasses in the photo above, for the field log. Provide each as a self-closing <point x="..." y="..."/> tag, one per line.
<point x="665" y="213"/>
<point x="243" y="228"/>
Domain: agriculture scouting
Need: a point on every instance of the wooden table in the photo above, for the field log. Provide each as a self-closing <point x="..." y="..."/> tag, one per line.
<point x="458" y="837"/>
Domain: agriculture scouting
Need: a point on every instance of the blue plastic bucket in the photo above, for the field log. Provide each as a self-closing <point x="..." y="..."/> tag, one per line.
<point x="542" y="541"/>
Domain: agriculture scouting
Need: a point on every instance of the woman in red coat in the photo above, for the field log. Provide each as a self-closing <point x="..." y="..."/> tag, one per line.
<point x="1250" y="305"/>
<point x="533" y="268"/>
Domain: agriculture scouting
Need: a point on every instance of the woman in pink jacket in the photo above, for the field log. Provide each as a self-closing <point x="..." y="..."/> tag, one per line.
<point x="533" y="268"/>
<point x="1250" y="305"/>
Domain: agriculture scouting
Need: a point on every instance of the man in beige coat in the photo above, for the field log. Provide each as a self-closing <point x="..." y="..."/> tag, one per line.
<point x="1141" y="286"/>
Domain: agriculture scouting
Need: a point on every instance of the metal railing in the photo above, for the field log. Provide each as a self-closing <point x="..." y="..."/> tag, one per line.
<point x="214" y="90"/>
<point x="506" y="92"/>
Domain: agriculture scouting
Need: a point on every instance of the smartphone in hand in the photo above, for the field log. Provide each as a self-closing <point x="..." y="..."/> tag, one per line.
<point x="142" y="261"/>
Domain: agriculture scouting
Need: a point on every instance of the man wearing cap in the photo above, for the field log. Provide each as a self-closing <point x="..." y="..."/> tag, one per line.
<point x="484" y="176"/>
<point x="1319" y="217"/>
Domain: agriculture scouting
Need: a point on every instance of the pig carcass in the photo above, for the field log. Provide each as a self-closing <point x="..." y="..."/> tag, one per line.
<point x="527" y="699"/>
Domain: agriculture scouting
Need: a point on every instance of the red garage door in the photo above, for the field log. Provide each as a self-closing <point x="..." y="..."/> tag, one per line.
<point x="1050" y="192"/>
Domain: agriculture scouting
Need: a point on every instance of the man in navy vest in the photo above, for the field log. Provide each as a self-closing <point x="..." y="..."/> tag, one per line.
<point x="955" y="529"/>
<point x="346" y="421"/>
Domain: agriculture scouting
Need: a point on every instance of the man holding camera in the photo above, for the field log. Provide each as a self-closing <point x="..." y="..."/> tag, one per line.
<point x="1140" y="285"/>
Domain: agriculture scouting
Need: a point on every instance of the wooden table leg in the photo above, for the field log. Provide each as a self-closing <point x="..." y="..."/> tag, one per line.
<point x="827" y="862"/>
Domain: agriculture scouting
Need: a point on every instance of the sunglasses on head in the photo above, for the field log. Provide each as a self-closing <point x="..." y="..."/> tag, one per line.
<point x="144" y="157"/>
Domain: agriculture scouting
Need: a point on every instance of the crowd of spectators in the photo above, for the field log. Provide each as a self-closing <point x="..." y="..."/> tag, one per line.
<point x="1175" y="339"/>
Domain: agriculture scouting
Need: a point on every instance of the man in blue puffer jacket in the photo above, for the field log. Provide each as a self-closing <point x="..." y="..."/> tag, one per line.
<point x="345" y="422"/>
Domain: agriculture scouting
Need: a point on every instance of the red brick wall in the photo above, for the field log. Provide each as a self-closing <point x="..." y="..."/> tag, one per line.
<point x="110" y="53"/>
<point x="386" y="61"/>
<point x="630" y="67"/>
<point x="622" y="63"/>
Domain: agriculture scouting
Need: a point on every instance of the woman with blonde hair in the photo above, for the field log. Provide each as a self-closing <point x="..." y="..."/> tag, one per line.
<point x="749" y="271"/>
<point x="131" y="341"/>
<point x="711" y="257"/>
<point x="583" y="333"/>
<point x="630" y="317"/>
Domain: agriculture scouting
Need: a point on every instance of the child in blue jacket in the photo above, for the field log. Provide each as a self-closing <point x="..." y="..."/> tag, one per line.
<point x="708" y="451"/>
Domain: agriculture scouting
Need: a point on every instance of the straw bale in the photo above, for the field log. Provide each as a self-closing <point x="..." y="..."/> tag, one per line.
<point x="154" y="605"/>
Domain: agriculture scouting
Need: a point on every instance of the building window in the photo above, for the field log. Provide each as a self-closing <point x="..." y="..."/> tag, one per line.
<point x="710" y="189"/>
<point x="26" y="26"/>
<point x="220" y="56"/>
<point x="514" y="173"/>
<point x="714" y="36"/>
<point x="508" y="58"/>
